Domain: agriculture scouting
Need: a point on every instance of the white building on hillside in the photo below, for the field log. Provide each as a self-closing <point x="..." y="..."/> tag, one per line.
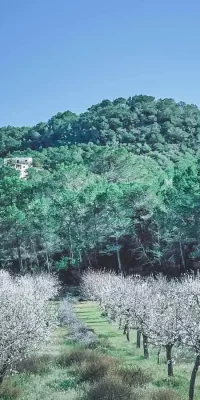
<point x="21" y="164"/>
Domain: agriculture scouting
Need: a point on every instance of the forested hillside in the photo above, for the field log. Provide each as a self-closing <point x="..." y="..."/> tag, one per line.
<point x="140" y="122"/>
<point x="115" y="187"/>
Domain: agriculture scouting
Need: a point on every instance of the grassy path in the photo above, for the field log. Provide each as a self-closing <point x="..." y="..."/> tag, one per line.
<point x="90" y="313"/>
<point x="52" y="382"/>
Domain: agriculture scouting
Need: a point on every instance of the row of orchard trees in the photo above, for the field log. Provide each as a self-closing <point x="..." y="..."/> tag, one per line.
<point x="26" y="316"/>
<point x="165" y="313"/>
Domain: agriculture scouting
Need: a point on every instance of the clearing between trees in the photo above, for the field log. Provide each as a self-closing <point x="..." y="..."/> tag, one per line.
<point x="68" y="369"/>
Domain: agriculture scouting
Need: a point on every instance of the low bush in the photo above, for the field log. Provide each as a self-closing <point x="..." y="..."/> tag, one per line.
<point x="97" y="368"/>
<point x="164" y="394"/>
<point x="134" y="376"/>
<point x="34" y="364"/>
<point x="108" y="388"/>
<point x="76" y="356"/>
<point x="9" y="390"/>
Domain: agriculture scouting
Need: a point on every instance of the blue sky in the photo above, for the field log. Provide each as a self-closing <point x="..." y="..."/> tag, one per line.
<point x="69" y="54"/>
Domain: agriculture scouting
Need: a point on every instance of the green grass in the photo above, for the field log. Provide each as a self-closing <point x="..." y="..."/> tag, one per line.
<point x="56" y="384"/>
<point x="127" y="352"/>
<point x="59" y="382"/>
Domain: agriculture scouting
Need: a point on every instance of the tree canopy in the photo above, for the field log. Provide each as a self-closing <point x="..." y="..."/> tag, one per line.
<point x="116" y="187"/>
<point x="141" y="122"/>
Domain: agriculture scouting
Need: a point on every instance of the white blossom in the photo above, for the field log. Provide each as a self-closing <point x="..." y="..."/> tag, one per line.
<point x="26" y="316"/>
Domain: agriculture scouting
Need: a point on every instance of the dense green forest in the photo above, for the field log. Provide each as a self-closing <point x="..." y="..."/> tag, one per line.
<point x="115" y="187"/>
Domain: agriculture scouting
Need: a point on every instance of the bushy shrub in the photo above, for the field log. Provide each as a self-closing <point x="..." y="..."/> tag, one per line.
<point x="164" y="394"/>
<point x="34" y="364"/>
<point x="76" y="356"/>
<point x="134" y="376"/>
<point x="109" y="388"/>
<point x="99" y="367"/>
<point x="9" y="390"/>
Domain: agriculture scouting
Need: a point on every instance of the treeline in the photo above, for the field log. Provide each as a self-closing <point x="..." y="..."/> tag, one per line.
<point x="102" y="207"/>
<point x="140" y="122"/>
<point x="116" y="187"/>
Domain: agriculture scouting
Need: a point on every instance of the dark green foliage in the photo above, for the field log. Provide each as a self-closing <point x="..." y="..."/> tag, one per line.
<point x="11" y="139"/>
<point x="117" y="187"/>
<point x="140" y="122"/>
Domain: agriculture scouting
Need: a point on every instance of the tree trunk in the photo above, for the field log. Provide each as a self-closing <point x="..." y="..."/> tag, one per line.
<point x="193" y="377"/>
<point x="158" y="356"/>
<point x="169" y="360"/>
<point x="124" y="333"/>
<point x="47" y="261"/>
<point x="182" y="255"/>
<point x="118" y="257"/>
<point x="127" y="331"/>
<point x="3" y="373"/>
<point x="19" y="256"/>
<point x="145" y="346"/>
<point x="70" y="244"/>
<point x="138" y="338"/>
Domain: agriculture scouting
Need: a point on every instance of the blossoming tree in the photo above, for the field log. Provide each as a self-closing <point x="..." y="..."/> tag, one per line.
<point x="26" y="317"/>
